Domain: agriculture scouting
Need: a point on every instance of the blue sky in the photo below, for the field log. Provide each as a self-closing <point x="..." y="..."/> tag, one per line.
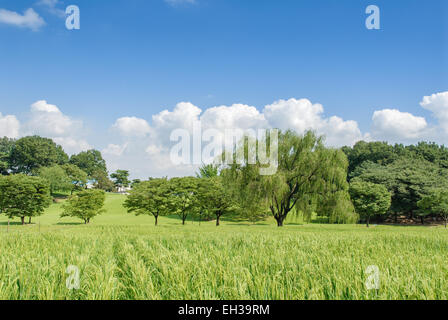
<point x="136" y="58"/>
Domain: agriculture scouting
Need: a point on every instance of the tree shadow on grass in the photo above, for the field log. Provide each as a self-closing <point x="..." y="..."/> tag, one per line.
<point x="70" y="223"/>
<point x="11" y="223"/>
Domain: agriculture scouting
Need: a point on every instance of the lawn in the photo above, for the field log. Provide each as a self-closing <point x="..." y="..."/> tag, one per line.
<point x="121" y="256"/>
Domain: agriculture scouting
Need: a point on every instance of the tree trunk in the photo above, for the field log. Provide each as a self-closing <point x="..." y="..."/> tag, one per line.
<point x="23" y="220"/>
<point x="85" y="221"/>
<point x="446" y="221"/>
<point x="368" y="222"/>
<point x="217" y="220"/>
<point x="280" y="220"/>
<point x="183" y="220"/>
<point x="157" y="217"/>
<point x="422" y="219"/>
<point x="29" y="220"/>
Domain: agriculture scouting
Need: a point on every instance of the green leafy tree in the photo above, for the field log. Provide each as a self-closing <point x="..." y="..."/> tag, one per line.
<point x="305" y="167"/>
<point x="31" y="153"/>
<point x="407" y="179"/>
<point x="121" y="178"/>
<point x="23" y="196"/>
<point x="370" y="199"/>
<point x="135" y="182"/>
<point x="208" y="171"/>
<point x="149" y="197"/>
<point x="84" y="205"/>
<point x="78" y="178"/>
<point x="214" y="198"/>
<point x="91" y="162"/>
<point x="376" y="152"/>
<point x="183" y="197"/>
<point x="436" y="202"/>
<point x="102" y="181"/>
<point x="6" y="146"/>
<point x="57" y="178"/>
<point x="250" y="207"/>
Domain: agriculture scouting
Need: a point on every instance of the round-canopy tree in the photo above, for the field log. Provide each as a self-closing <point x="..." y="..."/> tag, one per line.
<point x="23" y="196"/>
<point x="369" y="199"/>
<point x="31" y="153"/>
<point x="436" y="203"/>
<point x="183" y="197"/>
<point x="84" y="205"/>
<point x="149" y="197"/>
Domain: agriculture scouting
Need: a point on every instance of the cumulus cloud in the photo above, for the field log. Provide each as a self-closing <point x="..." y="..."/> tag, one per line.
<point x="30" y="19"/>
<point x="302" y="115"/>
<point x="394" y="125"/>
<point x="151" y="152"/>
<point x="9" y="126"/>
<point x="47" y="120"/>
<point x="438" y="105"/>
<point x="132" y="126"/>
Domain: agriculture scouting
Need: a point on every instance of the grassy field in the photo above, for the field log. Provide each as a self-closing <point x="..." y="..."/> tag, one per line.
<point x="121" y="256"/>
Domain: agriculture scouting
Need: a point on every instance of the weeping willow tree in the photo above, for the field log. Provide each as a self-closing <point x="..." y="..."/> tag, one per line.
<point x="308" y="176"/>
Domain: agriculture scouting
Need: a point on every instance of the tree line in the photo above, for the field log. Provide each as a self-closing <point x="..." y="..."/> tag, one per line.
<point x="371" y="181"/>
<point x="34" y="170"/>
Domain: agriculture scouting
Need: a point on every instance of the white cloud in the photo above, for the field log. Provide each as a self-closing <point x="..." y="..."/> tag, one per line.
<point x="438" y="105"/>
<point x="302" y="115"/>
<point x="151" y="154"/>
<point x="30" y="19"/>
<point x="237" y="116"/>
<point x="9" y="126"/>
<point x="132" y="126"/>
<point x="114" y="149"/>
<point x="394" y="125"/>
<point x="47" y="120"/>
<point x="72" y="145"/>
<point x="51" y="6"/>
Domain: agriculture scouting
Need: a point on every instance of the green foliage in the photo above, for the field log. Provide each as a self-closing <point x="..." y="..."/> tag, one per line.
<point x="135" y="182"/>
<point x="91" y="162"/>
<point x="369" y="199"/>
<point x="77" y="177"/>
<point x="183" y="197"/>
<point x="149" y="197"/>
<point x="435" y="202"/>
<point x="214" y="198"/>
<point x="6" y="146"/>
<point x="31" y="153"/>
<point x="407" y="179"/>
<point x="305" y="168"/>
<point x="57" y="177"/>
<point x="208" y="171"/>
<point x="102" y="181"/>
<point x="121" y="178"/>
<point x="375" y="152"/>
<point x="23" y="196"/>
<point x="84" y="205"/>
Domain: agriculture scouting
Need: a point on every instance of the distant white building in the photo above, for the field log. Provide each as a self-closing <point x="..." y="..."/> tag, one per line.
<point x="124" y="189"/>
<point x="90" y="184"/>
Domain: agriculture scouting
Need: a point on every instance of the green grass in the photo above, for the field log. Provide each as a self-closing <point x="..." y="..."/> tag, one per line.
<point x="121" y="256"/>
